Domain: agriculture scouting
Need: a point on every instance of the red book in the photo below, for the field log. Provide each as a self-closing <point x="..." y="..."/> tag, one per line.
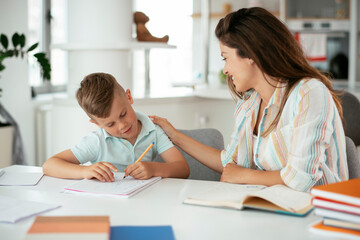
<point x="336" y="205"/>
<point x="345" y="192"/>
<point x="337" y="215"/>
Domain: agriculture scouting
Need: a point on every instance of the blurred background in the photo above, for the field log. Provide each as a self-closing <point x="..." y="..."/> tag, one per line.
<point x="179" y="80"/>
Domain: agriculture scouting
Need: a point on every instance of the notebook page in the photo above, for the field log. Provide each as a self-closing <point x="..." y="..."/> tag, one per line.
<point x="120" y="186"/>
<point x="223" y="195"/>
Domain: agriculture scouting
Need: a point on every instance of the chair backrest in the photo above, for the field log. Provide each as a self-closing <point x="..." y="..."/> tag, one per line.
<point x="351" y="112"/>
<point x="210" y="137"/>
<point x="353" y="159"/>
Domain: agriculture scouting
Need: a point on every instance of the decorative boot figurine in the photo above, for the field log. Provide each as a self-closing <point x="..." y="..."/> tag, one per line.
<point x="142" y="32"/>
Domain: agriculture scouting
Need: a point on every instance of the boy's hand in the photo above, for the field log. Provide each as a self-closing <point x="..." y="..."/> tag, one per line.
<point x="140" y="170"/>
<point x="100" y="171"/>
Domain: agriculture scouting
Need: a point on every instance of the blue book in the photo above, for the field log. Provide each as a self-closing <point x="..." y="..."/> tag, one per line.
<point x="142" y="232"/>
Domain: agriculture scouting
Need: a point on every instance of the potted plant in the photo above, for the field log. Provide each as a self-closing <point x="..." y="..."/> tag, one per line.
<point x="6" y="120"/>
<point x="18" y="42"/>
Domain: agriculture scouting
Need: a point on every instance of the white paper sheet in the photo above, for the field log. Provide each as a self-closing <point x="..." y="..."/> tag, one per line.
<point x="20" y="178"/>
<point x="120" y="187"/>
<point x="13" y="209"/>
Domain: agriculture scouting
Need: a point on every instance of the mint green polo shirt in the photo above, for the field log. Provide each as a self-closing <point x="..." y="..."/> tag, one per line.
<point x="99" y="146"/>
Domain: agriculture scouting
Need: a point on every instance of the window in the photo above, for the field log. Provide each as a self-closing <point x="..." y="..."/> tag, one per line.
<point x="46" y="26"/>
<point x="34" y="13"/>
<point x="58" y="35"/>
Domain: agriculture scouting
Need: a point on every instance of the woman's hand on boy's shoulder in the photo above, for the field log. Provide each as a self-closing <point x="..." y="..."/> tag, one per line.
<point x="100" y="170"/>
<point x="164" y="124"/>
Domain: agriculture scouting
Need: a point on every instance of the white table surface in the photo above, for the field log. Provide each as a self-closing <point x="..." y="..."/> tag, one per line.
<point x="160" y="204"/>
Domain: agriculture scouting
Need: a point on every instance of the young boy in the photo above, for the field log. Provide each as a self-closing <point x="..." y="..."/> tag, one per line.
<point x="123" y="136"/>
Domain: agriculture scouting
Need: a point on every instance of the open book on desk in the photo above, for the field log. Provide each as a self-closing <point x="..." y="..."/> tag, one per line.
<point x="121" y="187"/>
<point x="278" y="198"/>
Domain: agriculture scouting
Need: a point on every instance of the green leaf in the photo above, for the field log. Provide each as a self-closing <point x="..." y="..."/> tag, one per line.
<point x="15" y="39"/>
<point x="44" y="64"/>
<point x="39" y="55"/>
<point x="3" y="56"/>
<point x="4" y="41"/>
<point x="2" y="67"/>
<point x="10" y="53"/>
<point x="22" y="40"/>
<point x="33" y="47"/>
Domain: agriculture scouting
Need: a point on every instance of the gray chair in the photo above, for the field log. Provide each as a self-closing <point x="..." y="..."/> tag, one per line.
<point x="208" y="136"/>
<point x="351" y="112"/>
<point x="352" y="159"/>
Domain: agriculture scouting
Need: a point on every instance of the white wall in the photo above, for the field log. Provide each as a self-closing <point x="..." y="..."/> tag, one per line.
<point x="16" y="96"/>
<point x="97" y="27"/>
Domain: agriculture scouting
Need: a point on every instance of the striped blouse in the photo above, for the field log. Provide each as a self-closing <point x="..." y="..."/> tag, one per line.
<point x="307" y="145"/>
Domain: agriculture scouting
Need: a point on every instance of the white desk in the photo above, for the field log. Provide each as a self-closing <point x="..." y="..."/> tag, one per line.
<point x="160" y="204"/>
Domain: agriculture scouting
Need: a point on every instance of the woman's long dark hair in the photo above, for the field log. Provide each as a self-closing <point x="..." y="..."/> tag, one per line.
<point x="260" y="36"/>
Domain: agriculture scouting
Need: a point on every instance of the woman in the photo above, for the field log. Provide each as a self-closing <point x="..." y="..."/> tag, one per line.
<point x="288" y="127"/>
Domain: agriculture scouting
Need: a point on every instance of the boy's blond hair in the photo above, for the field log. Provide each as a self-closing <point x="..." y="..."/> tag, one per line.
<point x="96" y="94"/>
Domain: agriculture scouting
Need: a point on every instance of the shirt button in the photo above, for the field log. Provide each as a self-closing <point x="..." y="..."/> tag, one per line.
<point x="256" y="155"/>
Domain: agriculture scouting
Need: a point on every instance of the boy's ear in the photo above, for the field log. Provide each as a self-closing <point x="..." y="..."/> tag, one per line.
<point x="129" y="97"/>
<point x="94" y="122"/>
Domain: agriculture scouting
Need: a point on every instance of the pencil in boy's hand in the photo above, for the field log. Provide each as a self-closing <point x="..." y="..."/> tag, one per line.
<point x="142" y="155"/>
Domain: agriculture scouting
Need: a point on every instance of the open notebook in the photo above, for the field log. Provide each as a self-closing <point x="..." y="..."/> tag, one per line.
<point x="278" y="198"/>
<point x="121" y="187"/>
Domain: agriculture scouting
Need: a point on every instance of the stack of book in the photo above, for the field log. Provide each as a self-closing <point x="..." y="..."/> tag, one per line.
<point x="339" y="206"/>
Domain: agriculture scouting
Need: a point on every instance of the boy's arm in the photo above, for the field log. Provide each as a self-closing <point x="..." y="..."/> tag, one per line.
<point x="66" y="165"/>
<point x="175" y="165"/>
